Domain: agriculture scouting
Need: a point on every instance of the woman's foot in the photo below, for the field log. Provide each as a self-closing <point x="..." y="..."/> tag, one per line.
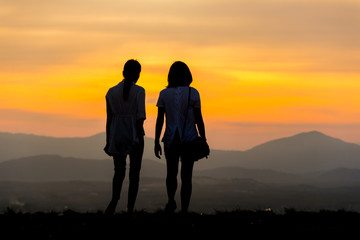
<point x="170" y="206"/>
<point x="110" y="210"/>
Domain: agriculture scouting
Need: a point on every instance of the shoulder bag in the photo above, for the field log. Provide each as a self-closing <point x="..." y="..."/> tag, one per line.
<point x="196" y="149"/>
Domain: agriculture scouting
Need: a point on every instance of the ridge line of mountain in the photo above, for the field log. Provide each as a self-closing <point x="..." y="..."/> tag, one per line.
<point x="300" y="153"/>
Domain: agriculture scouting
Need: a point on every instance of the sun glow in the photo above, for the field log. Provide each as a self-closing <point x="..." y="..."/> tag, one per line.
<point x="260" y="74"/>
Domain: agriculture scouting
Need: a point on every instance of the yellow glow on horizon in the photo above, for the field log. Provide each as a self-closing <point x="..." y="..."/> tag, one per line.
<point x="255" y="93"/>
<point x="249" y="63"/>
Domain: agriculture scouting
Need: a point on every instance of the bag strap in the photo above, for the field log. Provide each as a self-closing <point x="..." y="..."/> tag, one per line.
<point x="186" y="113"/>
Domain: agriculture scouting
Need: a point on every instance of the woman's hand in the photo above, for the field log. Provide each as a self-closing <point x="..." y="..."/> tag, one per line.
<point x="157" y="150"/>
<point x="106" y="150"/>
<point x="158" y="127"/>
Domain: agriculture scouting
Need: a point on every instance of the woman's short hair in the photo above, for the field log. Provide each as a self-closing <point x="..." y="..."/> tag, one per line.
<point x="132" y="69"/>
<point x="179" y="75"/>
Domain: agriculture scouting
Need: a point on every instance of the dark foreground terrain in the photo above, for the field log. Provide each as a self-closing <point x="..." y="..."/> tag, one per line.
<point x="237" y="224"/>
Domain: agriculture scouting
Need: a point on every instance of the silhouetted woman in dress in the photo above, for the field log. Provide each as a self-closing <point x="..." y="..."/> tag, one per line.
<point x="125" y="105"/>
<point x="173" y="104"/>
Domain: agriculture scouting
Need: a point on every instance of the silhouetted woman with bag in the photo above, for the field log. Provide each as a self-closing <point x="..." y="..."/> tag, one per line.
<point x="174" y="105"/>
<point x="125" y="133"/>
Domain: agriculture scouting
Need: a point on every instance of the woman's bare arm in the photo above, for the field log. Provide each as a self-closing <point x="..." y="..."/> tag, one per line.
<point x="158" y="129"/>
<point x="199" y="122"/>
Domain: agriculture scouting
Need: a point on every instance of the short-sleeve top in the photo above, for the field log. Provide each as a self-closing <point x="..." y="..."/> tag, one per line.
<point x="124" y="115"/>
<point x="175" y="103"/>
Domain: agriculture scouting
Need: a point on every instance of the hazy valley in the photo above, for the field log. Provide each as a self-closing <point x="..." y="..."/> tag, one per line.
<point x="305" y="171"/>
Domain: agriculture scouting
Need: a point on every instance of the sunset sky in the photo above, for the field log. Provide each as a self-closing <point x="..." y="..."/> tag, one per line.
<point x="264" y="68"/>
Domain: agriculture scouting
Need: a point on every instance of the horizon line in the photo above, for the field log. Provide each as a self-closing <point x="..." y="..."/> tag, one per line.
<point x="229" y="150"/>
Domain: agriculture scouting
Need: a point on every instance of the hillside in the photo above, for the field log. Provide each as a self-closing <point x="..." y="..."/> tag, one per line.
<point x="305" y="152"/>
<point x="25" y="145"/>
<point x="45" y="168"/>
<point x="56" y="168"/>
<point x="301" y="153"/>
<point x="260" y="175"/>
<point x="209" y="195"/>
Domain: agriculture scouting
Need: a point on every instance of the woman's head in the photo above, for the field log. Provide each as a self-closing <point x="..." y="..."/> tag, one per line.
<point x="179" y="75"/>
<point x="132" y="69"/>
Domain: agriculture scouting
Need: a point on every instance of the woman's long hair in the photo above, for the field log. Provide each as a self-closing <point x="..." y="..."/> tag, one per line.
<point x="132" y="69"/>
<point x="179" y="75"/>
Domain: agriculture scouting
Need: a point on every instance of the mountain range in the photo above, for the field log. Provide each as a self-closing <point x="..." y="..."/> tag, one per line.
<point x="305" y="158"/>
<point x="52" y="168"/>
<point x="299" y="154"/>
<point x="306" y="171"/>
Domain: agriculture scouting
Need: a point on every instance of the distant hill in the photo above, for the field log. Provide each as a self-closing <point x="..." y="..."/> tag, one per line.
<point x="338" y="177"/>
<point x="18" y="145"/>
<point x="260" y="175"/>
<point x="301" y="153"/>
<point x="45" y="168"/>
<point x="56" y="168"/>
<point x="305" y="152"/>
<point x="24" y="145"/>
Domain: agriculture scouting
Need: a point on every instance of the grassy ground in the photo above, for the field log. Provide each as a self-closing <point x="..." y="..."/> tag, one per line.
<point x="234" y="224"/>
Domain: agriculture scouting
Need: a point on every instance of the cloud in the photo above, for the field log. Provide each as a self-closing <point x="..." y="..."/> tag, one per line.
<point x="60" y="32"/>
<point x="66" y="53"/>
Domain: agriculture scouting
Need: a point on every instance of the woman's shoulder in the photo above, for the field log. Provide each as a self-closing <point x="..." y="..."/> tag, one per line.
<point x="113" y="90"/>
<point x="116" y="87"/>
<point x="171" y="91"/>
<point x="194" y="91"/>
<point x="166" y="91"/>
<point x="139" y="88"/>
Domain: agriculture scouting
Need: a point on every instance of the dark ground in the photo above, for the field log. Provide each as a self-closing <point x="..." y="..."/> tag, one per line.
<point x="237" y="224"/>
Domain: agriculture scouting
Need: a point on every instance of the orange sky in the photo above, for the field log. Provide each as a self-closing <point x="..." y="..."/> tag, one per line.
<point x="264" y="69"/>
